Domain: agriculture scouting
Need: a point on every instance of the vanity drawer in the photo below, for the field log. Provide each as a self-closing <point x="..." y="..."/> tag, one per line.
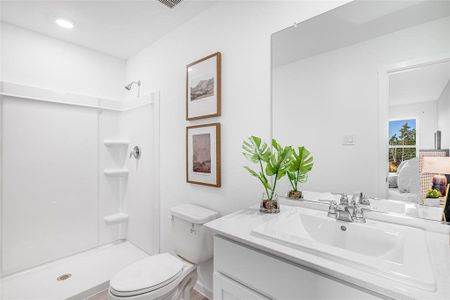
<point x="228" y="289"/>
<point x="277" y="278"/>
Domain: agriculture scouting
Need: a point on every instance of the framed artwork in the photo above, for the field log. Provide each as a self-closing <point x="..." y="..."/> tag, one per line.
<point x="203" y="88"/>
<point x="203" y="154"/>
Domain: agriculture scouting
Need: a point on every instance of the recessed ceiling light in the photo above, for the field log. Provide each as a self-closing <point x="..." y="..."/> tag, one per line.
<point x="64" y="23"/>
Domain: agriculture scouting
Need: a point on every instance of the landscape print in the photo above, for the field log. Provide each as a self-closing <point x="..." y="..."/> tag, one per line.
<point x="202" y="89"/>
<point x="201" y="144"/>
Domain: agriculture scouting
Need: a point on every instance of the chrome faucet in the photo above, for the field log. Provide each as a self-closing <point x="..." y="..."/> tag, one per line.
<point x="343" y="214"/>
<point x="342" y="211"/>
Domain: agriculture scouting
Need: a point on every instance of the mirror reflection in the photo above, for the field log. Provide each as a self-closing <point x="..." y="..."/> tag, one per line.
<point x="366" y="89"/>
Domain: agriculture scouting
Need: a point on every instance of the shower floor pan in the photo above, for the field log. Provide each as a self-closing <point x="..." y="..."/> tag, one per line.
<point x="76" y="277"/>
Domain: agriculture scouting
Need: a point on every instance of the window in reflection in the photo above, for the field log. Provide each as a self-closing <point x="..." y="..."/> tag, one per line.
<point x="402" y="142"/>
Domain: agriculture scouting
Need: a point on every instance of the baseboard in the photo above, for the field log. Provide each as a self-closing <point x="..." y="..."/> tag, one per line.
<point x="199" y="287"/>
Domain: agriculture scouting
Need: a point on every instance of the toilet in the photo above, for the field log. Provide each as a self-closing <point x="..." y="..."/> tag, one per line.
<point x="168" y="276"/>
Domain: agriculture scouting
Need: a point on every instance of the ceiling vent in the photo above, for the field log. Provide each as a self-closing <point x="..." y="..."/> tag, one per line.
<point x="170" y="3"/>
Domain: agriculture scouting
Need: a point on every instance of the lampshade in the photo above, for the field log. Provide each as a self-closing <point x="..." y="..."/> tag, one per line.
<point x="436" y="165"/>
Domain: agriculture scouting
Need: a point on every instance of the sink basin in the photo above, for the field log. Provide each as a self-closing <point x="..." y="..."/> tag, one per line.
<point x="393" y="251"/>
<point x="366" y="240"/>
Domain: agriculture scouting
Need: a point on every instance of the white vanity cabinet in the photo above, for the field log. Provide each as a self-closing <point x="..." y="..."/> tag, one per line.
<point x="244" y="273"/>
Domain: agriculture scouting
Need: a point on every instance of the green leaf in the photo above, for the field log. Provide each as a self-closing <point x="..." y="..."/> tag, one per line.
<point x="300" y="165"/>
<point x="251" y="171"/>
<point x="254" y="149"/>
<point x="270" y="171"/>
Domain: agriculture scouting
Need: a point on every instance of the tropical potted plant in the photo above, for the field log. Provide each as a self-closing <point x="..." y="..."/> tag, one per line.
<point x="273" y="163"/>
<point x="432" y="193"/>
<point x="299" y="167"/>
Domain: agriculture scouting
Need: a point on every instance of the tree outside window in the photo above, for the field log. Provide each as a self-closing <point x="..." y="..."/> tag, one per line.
<point x="402" y="142"/>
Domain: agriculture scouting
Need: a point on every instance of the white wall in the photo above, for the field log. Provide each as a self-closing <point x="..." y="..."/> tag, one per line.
<point x="241" y="31"/>
<point x="33" y="59"/>
<point x="444" y="116"/>
<point x="426" y="114"/>
<point x="319" y="100"/>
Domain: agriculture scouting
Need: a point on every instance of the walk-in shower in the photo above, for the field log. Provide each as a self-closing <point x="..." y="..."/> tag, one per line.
<point x="70" y="195"/>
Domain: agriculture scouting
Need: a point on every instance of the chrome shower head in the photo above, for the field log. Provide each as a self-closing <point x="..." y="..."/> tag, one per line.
<point x="130" y="85"/>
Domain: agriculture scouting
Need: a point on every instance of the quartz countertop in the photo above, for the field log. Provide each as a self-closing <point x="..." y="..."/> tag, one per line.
<point x="238" y="226"/>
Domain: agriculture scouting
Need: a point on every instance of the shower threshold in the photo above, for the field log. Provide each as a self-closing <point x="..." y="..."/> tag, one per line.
<point x="75" y="277"/>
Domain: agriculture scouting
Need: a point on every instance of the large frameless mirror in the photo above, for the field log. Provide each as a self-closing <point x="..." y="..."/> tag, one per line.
<point x="366" y="89"/>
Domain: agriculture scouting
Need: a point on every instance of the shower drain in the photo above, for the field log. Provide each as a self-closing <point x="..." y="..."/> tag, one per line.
<point x="64" y="277"/>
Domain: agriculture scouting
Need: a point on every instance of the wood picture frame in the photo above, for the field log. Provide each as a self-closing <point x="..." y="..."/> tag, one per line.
<point x="204" y="88"/>
<point x="203" y="161"/>
<point x="446" y="206"/>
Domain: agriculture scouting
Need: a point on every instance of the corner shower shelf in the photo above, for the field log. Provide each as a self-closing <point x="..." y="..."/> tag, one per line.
<point x="116" y="218"/>
<point x="116" y="143"/>
<point x="116" y="172"/>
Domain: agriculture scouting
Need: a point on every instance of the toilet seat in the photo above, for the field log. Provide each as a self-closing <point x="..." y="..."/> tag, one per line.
<point x="147" y="275"/>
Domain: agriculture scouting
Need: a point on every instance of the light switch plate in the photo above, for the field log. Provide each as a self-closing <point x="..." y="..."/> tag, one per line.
<point x="348" y="140"/>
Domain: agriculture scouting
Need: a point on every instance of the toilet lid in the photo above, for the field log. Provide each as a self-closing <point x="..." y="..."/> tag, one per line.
<point x="157" y="270"/>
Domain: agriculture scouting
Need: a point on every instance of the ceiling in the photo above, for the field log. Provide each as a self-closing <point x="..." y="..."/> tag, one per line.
<point x="350" y="24"/>
<point x="419" y="84"/>
<point x="120" y="28"/>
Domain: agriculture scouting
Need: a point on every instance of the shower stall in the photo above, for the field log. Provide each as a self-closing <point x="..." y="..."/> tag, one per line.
<point x="72" y="194"/>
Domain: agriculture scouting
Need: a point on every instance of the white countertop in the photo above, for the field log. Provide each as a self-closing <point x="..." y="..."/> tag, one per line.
<point x="238" y="226"/>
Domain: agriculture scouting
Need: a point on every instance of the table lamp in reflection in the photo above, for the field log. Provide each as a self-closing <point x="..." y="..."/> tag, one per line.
<point x="439" y="166"/>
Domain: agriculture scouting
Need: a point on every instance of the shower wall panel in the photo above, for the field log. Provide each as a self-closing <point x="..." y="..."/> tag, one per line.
<point x="110" y="188"/>
<point x="50" y="182"/>
<point x="138" y="125"/>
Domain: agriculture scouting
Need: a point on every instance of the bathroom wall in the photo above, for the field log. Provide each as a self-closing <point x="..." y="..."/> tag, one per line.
<point x="241" y="31"/>
<point x="426" y="114"/>
<point x="33" y="59"/>
<point x="444" y="116"/>
<point x="340" y="87"/>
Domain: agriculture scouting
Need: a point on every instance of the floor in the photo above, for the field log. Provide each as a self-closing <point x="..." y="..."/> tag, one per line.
<point x="42" y="283"/>
<point x="104" y="296"/>
<point x="197" y="296"/>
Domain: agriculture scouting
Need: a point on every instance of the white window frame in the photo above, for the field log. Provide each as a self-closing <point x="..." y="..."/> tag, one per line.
<point x="405" y="146"/>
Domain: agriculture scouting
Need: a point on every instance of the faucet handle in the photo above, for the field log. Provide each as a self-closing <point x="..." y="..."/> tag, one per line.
<point x="364" y="200"/>
<point x="344" y="199"/>
<point x="356" y="197"/>
<point x="358" y="214"/>
<point x="332" y="209"/>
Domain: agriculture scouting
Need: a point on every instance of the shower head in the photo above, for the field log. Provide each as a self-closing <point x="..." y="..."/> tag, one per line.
<point x="130" y="85"/>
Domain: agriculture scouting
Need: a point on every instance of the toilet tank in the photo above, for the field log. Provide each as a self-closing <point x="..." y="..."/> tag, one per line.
<point x="193" y="241"/>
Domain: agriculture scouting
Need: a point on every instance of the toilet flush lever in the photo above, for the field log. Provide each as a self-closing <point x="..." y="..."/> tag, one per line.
<point x="193" y="229"/>
<point x="136" y="152"/>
